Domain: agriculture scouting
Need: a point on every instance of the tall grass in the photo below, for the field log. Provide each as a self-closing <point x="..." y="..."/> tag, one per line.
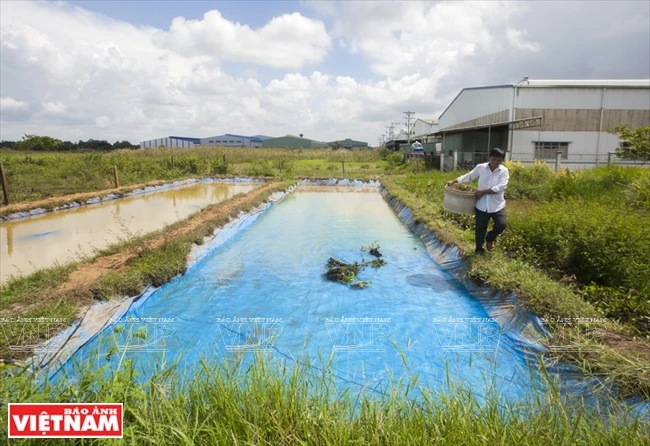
<point x="263" y="402"/>
<point x="32" y="176"/>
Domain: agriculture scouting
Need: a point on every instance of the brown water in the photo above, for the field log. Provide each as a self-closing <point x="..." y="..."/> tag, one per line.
<point x="41" y="241"/>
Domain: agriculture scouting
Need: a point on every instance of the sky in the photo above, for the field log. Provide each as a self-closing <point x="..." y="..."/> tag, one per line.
<point x="129" y="70"/>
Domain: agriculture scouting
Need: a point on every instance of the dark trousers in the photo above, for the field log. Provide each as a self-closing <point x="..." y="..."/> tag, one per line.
<point x="482" y="220"/>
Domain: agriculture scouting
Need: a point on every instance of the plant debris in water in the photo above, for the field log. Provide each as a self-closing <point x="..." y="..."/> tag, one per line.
<point x="360" y="284"/>
<point x="338" y="271"/>
<point x="376" y="263"/>
<point x="373" y="250"/>
<point x="346" y="273"/>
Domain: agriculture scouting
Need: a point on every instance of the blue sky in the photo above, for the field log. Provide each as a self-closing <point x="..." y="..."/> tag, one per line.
<point x="120" y="70"/>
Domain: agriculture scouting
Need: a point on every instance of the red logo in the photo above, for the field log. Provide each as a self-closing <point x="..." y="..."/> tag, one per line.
<point x="62" y="420"/>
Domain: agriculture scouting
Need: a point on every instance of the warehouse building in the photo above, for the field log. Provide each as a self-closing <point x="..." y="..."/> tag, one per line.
<point x="294" y="142"/>
<point x="227" y="140"/>
<point x="350" y="144"/>
<point x="423" y="128"/>
<point x="170" y="141"/>
<point x="230" y="140"/>
<point x="535" y="119"/>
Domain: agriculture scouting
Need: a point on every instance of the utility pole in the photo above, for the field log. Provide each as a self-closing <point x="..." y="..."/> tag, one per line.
<point x="408" y="123"/>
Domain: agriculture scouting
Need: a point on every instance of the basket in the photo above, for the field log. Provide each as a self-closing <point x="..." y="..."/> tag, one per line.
<point x="458" y="201"/>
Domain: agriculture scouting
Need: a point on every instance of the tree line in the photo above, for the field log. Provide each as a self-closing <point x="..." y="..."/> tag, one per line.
<point x="49" y="144"/>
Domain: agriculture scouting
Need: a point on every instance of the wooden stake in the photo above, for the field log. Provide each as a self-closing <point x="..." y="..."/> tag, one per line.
<point x="117" y="180"/>
<point x="5" y="188"/>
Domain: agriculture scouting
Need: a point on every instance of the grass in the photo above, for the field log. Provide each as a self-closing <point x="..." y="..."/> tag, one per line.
<point x="262" y="402"/>
<point x="37" y="175"/>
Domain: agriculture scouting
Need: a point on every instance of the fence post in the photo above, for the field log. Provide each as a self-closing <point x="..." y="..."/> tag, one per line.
<point x="455" y="159"/>
<point x="558" y="161"/>
<point x="442" y="162"/>
<point x="117" y="180"/>
<point x="173" y="165"/>
<point x="5" y="188"/>
<point x="609" y="158"/>
<point x="343" y="166"/>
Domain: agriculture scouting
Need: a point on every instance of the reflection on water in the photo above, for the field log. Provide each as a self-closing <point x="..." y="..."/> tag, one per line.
<point x="40" y="241"/>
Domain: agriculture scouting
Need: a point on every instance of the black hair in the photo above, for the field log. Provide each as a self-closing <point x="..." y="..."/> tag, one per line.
<point x="497" y="152"/>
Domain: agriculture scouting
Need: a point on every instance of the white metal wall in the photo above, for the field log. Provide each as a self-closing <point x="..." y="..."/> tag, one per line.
<point x="423" y="128"/>
<point x="166" y="142"/>
<point x="583" y="145"/>
<point x="473" y="104"/>
<point x="583" y="98"/>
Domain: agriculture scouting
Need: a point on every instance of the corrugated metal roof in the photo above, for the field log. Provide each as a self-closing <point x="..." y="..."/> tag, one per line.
<point x="585" y="83"/>
<point x="185" y="138"/>
<point x="252" y="138"/>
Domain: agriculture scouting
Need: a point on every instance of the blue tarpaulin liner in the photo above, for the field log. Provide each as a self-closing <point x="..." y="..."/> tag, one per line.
<point x="258" y="286"/>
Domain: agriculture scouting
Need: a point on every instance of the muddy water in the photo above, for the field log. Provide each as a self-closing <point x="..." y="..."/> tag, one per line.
<point x="41" y="241"/>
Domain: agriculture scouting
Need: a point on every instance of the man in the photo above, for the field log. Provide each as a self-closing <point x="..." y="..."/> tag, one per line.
<point x="490" y="204"/>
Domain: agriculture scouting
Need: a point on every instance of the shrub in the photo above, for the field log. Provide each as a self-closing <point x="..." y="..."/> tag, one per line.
<point x="395" y="159"/>
<point x="595" y="243"/>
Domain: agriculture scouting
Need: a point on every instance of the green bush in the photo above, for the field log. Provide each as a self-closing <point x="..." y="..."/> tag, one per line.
<point x="395" y="159"/>
<point x="591" y="241"/>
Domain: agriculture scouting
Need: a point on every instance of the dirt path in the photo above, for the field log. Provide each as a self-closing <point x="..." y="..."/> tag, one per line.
<point x="86" y="274"/>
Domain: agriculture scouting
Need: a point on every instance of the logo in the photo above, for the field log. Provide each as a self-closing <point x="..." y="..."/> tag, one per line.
<point x="63" y="420"/>
<point x="358" y="334"/>
<point x="469" y="335"/>
<point x="252" y="334"/>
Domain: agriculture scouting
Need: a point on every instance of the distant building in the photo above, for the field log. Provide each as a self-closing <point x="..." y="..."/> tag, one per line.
<point x="535" y="119"/>
<point x="294" y="142"/>
<point x="422" y="129"/>
<point x="348" y="143"/>
<point x="230" y="140"/>
<point x="170" y="141"/>
<point x="227" y="140"/>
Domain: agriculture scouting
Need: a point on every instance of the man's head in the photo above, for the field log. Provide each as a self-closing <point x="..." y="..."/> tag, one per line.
<point x="496" y="157"/>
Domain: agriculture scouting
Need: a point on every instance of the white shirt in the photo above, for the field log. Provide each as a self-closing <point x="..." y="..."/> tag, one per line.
<point x="497" y="181"/>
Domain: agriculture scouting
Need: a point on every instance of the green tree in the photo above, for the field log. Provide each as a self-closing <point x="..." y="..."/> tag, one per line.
<point x="124" y="145"/>
<point x="36" y="142"/>
<point x="635" y="144"/>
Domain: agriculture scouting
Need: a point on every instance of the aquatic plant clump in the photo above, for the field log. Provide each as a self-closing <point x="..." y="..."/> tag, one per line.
<point x="338" y="271"/>
<point x="373" y="249"/>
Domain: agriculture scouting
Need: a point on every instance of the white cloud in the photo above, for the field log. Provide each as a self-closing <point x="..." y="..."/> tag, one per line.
<point x="12" y="104"/>
<point x="517" y="39"/>
<point x="73" y="74"/>
<point x="422" y="37"/>
<point x="288" y="41"/>
<point x="54" y="107"/>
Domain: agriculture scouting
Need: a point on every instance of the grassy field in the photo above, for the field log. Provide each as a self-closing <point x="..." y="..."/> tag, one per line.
<point x="37" y="175"/>
<point x="264" y="402"/>
<point x="577" y="245"/>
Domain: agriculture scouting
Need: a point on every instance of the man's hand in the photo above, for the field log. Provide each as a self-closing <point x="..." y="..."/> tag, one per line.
<point x="452" y="182"/>
<point x="479" y="193"/>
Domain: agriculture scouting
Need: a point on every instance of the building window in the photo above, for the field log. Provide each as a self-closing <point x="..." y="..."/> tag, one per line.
<point x="548" y="149"/>
<point x="210" y="141"/>
<point x="231" y="141"/>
